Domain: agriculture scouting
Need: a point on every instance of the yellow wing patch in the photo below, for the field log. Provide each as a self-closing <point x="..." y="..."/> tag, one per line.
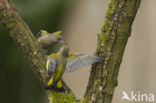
<point x="71" y="56"/>
<point x="50" y="81"/>
<point x="58" y="32"/>
<point x="47" y="64"/>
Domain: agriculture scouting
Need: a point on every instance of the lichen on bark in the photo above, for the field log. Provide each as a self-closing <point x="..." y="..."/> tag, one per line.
<point x="112" y="40"/>
<point x="111" y="44"/>
<point x="28" y="45"/>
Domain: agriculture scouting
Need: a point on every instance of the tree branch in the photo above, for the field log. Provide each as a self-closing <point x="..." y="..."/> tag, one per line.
<point x="24" y="38"/>
<point x="111" y="44"/>
<point x="30" y="48"/>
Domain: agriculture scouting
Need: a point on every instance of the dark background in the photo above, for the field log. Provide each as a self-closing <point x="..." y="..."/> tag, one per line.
<point x="17" y="82"/>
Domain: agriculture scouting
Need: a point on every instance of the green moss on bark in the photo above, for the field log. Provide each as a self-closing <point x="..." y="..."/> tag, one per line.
<point x="55" y="97"/>
<point x="111" y="44"/>
<point x="30" y="48"/>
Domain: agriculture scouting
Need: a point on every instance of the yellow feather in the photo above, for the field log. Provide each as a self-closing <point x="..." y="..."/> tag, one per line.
<point x="59" y="84"/>
<point x="58" y="32"/>
<point x="54" y="56"/>
<point x="47" y="64"/>
<point x="44" y="32"/>
<point x="50" y="81"/>
<point x="58" y="72"/>
<point x="71" y="56"/>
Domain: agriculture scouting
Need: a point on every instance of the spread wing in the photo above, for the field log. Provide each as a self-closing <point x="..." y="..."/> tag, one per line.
<point x="51" y="65"/>
<point x="76" y="61"/>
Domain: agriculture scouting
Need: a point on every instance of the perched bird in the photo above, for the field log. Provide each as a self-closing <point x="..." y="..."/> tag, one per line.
<point x="46" y="39"/>
<point x="58" y="62"/>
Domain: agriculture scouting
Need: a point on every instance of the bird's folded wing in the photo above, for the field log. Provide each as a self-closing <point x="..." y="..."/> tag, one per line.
<point x="76" y="61"/>
<point x="51" y="65"/>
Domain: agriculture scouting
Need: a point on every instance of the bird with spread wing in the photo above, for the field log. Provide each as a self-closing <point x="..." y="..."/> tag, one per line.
<point x="61" y="61"/>
<point x="58" y="63"/>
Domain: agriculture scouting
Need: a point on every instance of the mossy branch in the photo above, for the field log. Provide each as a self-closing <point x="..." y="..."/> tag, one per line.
<point x="111" y="44"/>
<point x="24" y="38"/>
<point x="29" y="46"/>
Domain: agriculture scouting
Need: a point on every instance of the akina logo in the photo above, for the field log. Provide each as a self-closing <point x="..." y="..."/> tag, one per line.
<point x="137" y="97"/>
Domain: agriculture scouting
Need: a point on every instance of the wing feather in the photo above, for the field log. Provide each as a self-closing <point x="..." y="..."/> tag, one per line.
<point x="76" y="61"/>
<point x="51" y="66"/>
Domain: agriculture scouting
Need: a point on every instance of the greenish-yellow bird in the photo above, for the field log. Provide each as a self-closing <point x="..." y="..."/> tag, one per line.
<point x="61" y="61"/>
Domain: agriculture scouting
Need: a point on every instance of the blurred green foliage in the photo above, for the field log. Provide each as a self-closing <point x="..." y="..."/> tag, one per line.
<point x="17" y="82"/>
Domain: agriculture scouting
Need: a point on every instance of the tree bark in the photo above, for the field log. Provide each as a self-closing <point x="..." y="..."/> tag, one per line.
<point x="24" y="38"/>
<point x="111" y="44"/>
<point x="30" y="48"/>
